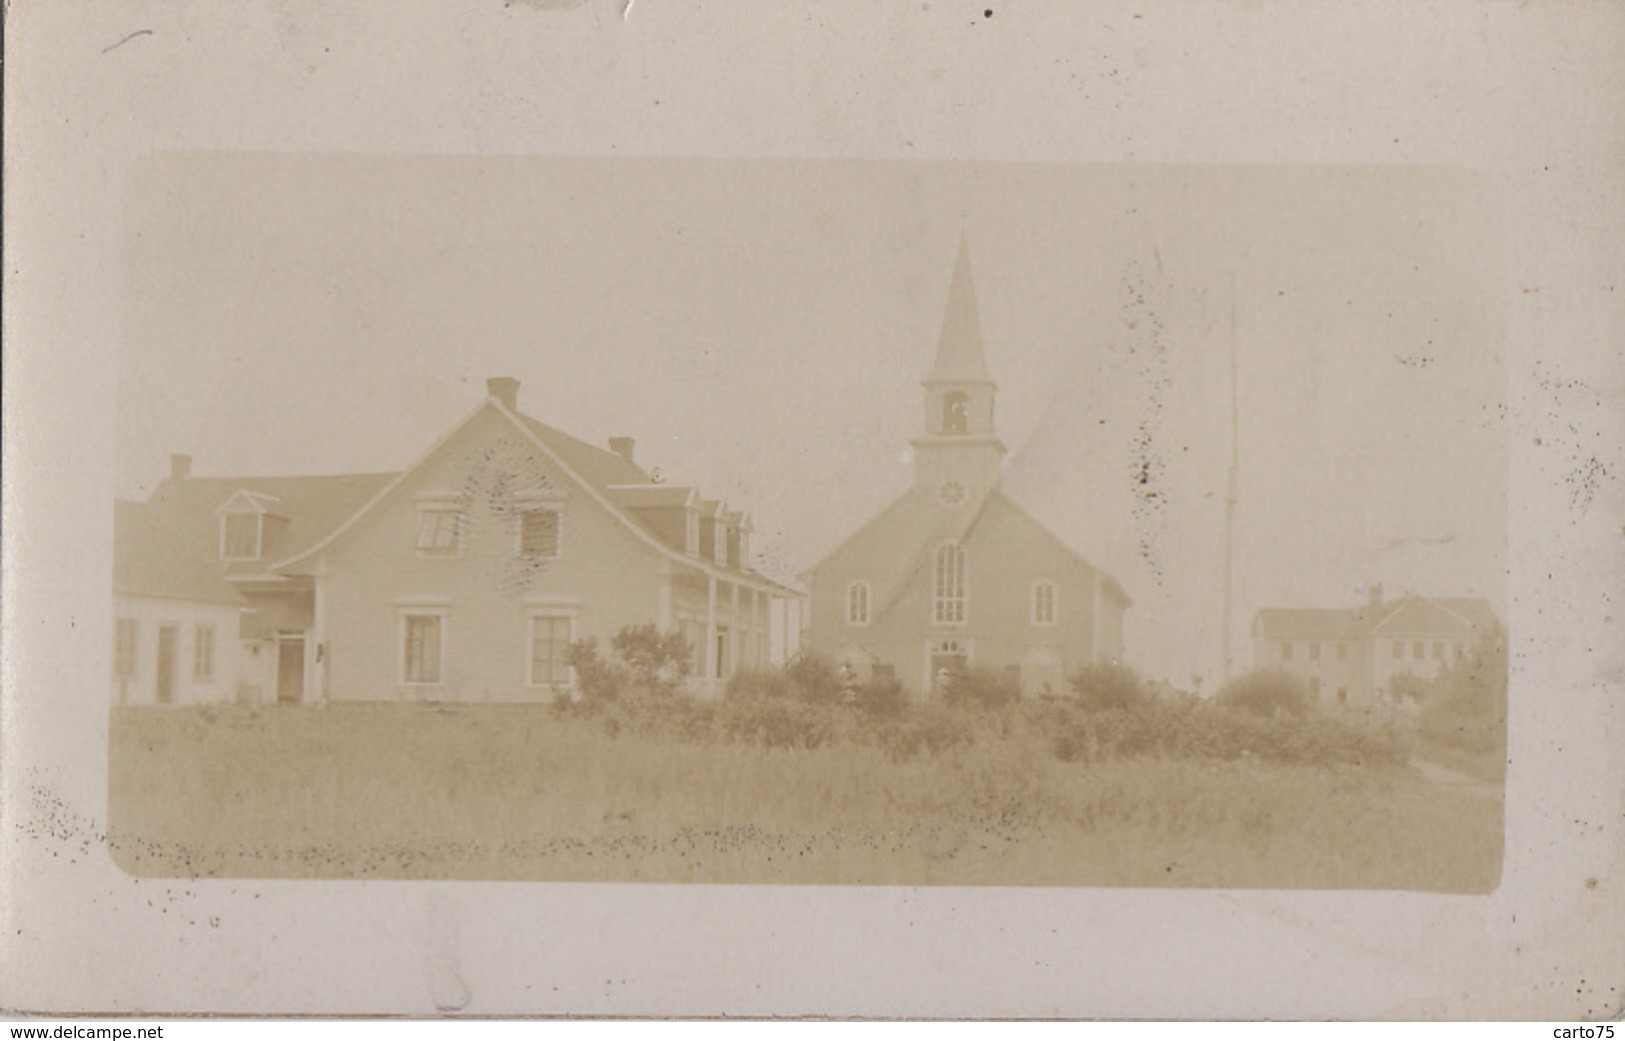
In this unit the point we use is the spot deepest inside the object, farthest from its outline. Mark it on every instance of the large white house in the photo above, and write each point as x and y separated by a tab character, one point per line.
464	577
1350	657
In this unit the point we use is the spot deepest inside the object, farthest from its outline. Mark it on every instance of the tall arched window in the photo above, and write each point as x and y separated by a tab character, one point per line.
857	603
955	412
948	586
1044	603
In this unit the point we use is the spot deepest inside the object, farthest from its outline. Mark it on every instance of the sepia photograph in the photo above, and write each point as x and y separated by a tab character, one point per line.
809	522
582	509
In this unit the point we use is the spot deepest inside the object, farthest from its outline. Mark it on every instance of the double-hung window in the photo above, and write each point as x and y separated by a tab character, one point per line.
439	529
1044	603
203	652
550	651
538	533
857	603
423	647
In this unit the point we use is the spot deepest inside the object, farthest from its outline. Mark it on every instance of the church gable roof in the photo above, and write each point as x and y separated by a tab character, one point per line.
897	544
999	500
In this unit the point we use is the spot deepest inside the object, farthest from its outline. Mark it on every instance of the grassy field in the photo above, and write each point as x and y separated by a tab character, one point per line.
514	793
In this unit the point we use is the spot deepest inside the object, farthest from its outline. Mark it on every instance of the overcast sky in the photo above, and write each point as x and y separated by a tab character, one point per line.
761	329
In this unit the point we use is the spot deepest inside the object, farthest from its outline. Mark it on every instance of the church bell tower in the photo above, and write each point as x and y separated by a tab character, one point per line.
958	458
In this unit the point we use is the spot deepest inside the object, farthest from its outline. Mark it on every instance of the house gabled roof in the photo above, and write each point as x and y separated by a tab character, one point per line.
1312	623
598	466
169	546
653	496
602	473
1417	614
153	558
1404	616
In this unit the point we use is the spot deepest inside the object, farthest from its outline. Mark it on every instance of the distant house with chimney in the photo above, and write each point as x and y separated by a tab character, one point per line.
464	577
1351	657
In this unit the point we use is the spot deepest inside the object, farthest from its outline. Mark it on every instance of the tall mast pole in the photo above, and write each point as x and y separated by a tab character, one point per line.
1230	487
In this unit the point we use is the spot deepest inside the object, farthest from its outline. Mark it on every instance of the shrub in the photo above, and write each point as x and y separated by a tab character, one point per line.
927	729
1196	730
1408	687
752	684
814	679
1465	706
981	688
1266	692
1063	726
882	698
599	681
656	662
777	722
1099	687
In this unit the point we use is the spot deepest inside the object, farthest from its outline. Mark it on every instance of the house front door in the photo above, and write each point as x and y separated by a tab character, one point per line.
164	689
290	670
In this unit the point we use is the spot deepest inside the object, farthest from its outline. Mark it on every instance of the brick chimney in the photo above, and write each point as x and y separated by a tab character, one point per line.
623	446
1374	595
180	466
505	389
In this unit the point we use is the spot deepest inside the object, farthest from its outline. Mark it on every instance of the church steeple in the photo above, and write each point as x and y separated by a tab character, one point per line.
958	453
959	349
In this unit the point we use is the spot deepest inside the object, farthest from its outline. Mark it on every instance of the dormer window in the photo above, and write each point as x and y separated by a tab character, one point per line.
692	534
719	543
955	412
744	550
242	524
240	536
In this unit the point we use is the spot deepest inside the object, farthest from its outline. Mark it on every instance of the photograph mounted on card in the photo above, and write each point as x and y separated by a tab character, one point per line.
820	522
600	509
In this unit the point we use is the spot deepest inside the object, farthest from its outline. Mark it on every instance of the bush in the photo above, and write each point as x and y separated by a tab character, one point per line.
656	662
1063	726
1266	692
981	688
777	722
599	681
755	684
882	698
1407	687
1195	730
1099	687
928	729
814	679
1465	706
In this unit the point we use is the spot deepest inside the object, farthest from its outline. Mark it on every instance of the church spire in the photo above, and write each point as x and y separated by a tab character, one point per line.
959	455
959	349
